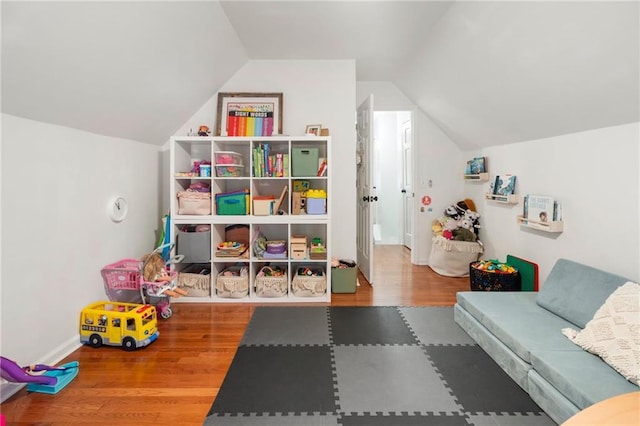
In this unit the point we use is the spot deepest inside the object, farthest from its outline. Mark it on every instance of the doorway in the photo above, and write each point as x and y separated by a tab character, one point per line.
392	178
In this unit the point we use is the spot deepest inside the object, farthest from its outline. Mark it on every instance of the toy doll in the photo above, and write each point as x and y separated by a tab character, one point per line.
154	271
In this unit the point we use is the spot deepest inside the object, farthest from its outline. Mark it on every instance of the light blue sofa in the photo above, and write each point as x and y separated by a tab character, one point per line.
521	332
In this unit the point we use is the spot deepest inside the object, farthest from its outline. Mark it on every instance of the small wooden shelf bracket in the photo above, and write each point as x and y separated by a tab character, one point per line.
480	177
504	199
555	227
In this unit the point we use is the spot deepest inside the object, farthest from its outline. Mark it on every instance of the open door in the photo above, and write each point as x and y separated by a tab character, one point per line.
365	192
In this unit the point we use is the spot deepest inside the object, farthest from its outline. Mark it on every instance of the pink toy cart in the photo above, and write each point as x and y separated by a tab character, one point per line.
124	282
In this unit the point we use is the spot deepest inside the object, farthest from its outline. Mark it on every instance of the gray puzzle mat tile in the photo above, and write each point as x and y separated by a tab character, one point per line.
435	326
477	382
274	420
369	326
288	326
278	379
389	379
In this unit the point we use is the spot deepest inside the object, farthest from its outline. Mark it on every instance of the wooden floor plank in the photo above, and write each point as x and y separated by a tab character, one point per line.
175	380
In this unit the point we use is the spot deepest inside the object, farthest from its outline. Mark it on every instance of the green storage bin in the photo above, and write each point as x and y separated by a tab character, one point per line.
232	203
304	162
344	280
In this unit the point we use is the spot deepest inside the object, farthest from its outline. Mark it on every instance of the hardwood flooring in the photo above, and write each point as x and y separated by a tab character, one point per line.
175	380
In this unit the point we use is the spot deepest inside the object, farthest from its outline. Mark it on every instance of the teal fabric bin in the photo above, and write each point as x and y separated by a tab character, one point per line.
232	203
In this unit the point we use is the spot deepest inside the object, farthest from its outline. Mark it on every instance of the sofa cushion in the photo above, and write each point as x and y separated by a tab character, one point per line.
580	376
614	332
575	292
517	321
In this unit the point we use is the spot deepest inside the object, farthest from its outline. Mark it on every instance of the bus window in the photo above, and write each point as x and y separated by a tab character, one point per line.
116	322
131	324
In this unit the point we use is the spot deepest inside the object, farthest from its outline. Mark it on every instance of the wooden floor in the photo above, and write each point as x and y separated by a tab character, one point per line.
175	380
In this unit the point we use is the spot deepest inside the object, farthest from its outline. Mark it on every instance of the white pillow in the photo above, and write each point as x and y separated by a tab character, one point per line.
614	332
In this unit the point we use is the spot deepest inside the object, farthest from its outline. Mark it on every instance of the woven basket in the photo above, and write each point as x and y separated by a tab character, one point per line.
234	287
197	285
267	286
309	286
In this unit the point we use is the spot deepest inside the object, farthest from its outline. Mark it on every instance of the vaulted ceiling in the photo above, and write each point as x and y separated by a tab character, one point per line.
486	72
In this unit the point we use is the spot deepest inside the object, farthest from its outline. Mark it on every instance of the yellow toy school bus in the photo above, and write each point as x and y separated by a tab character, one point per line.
129	325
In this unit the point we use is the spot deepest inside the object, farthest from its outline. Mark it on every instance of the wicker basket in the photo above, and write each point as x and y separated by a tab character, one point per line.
233	286
269	286
309	285
198	285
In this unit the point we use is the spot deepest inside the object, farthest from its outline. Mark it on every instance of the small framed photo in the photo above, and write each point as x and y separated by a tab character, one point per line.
313	129
249	114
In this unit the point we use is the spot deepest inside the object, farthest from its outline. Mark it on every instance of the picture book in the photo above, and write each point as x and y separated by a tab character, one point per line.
476	166
504	185
540	208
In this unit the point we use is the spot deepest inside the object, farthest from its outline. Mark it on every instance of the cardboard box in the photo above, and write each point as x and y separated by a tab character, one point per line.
264	205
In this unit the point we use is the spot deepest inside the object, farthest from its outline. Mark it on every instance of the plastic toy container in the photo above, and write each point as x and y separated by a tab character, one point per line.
229	170
316	201
232	203
304	161
228	157
481	280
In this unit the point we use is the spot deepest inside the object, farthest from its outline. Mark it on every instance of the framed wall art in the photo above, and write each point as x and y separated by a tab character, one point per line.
249	114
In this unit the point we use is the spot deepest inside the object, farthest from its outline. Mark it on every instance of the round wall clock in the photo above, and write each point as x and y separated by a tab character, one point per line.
118	209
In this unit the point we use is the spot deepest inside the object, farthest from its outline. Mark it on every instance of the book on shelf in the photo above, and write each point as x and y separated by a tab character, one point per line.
539	208
504	185
476	166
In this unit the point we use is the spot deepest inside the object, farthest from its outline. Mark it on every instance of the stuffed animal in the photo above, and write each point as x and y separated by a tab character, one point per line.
436	227
449	224
466	224
463	234
474	217
452	212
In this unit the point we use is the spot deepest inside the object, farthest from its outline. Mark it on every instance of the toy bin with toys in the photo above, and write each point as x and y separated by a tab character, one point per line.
493	275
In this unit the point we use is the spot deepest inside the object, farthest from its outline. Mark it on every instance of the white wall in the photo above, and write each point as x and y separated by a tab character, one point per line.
56	236
594	174
314	92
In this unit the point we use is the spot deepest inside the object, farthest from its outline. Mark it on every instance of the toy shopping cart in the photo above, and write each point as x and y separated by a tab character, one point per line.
143	281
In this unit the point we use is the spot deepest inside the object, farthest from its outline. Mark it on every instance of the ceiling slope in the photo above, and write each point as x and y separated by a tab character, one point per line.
135	70
493	73
379	35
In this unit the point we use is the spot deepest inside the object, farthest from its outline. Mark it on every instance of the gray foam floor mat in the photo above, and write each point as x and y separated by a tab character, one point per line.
366	366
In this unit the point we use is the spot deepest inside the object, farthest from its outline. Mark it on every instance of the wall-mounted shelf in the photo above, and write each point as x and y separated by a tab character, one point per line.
480	177
541	226
504	199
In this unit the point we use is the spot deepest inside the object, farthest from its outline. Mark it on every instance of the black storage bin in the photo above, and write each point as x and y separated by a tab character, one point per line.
493	281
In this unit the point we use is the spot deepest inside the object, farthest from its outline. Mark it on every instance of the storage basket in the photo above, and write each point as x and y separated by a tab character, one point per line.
493	281
122	281
194	203
270	286
309	285
197	284
451	258
233	286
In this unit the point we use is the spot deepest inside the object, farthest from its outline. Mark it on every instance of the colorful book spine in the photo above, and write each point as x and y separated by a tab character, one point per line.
257	130
267	129
250	126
